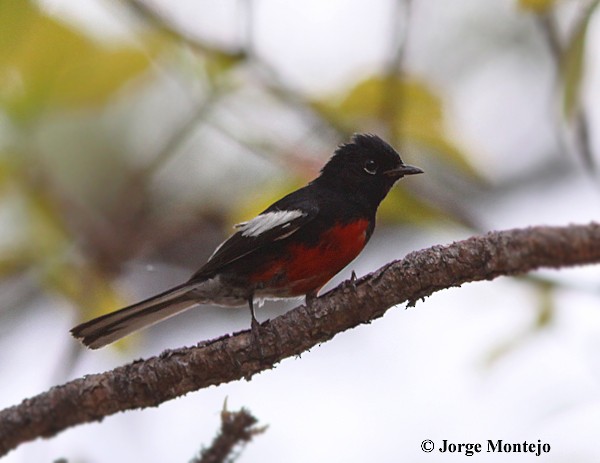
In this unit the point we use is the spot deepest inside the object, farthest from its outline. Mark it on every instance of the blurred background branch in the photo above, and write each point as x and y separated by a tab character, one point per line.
568	57
237	429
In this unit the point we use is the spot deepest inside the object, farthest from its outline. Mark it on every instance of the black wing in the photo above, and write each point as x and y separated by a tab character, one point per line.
280	220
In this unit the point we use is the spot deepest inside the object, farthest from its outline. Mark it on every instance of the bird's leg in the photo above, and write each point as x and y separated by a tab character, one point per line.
254	323
255	328
310	297
353	279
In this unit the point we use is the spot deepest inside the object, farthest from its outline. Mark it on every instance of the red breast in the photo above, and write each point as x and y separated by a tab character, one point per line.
306	269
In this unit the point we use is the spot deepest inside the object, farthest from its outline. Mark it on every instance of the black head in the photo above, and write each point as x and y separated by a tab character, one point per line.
365	168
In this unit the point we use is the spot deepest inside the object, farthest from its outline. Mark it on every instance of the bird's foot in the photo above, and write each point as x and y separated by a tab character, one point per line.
255	328
309	298
353	279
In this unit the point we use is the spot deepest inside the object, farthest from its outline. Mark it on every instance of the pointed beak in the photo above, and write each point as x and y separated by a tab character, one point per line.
403	170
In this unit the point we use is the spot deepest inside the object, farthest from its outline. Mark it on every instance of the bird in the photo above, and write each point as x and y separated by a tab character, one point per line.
291	249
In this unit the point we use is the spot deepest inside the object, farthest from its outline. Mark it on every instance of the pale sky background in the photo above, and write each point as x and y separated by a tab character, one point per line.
376	392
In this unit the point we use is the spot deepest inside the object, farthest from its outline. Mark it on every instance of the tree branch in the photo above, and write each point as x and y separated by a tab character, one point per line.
146	383
237	428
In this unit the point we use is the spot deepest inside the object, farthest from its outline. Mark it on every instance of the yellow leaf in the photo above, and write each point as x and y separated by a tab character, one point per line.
15	17
13	261
408	106
5	172
96	76
537	6
218	65
51	247
46	232
254	203
44	63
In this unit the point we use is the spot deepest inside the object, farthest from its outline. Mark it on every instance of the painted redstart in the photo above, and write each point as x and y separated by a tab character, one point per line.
291	249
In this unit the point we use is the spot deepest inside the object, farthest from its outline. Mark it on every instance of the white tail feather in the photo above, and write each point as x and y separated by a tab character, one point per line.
109	328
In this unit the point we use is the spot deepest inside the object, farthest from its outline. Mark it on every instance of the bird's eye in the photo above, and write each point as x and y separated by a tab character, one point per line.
370	167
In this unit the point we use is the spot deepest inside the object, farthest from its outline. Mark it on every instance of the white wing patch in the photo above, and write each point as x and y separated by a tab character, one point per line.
265	222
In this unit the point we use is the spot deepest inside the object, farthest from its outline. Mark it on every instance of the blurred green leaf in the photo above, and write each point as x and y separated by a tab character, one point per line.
96	77
14	18
218	65
51	250
546	309
47	235
13	261
415	113
573	62
537	6
44	63
87	289
254	203
41	240
5	172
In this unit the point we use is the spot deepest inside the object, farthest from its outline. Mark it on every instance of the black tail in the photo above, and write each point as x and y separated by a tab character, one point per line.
109	328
